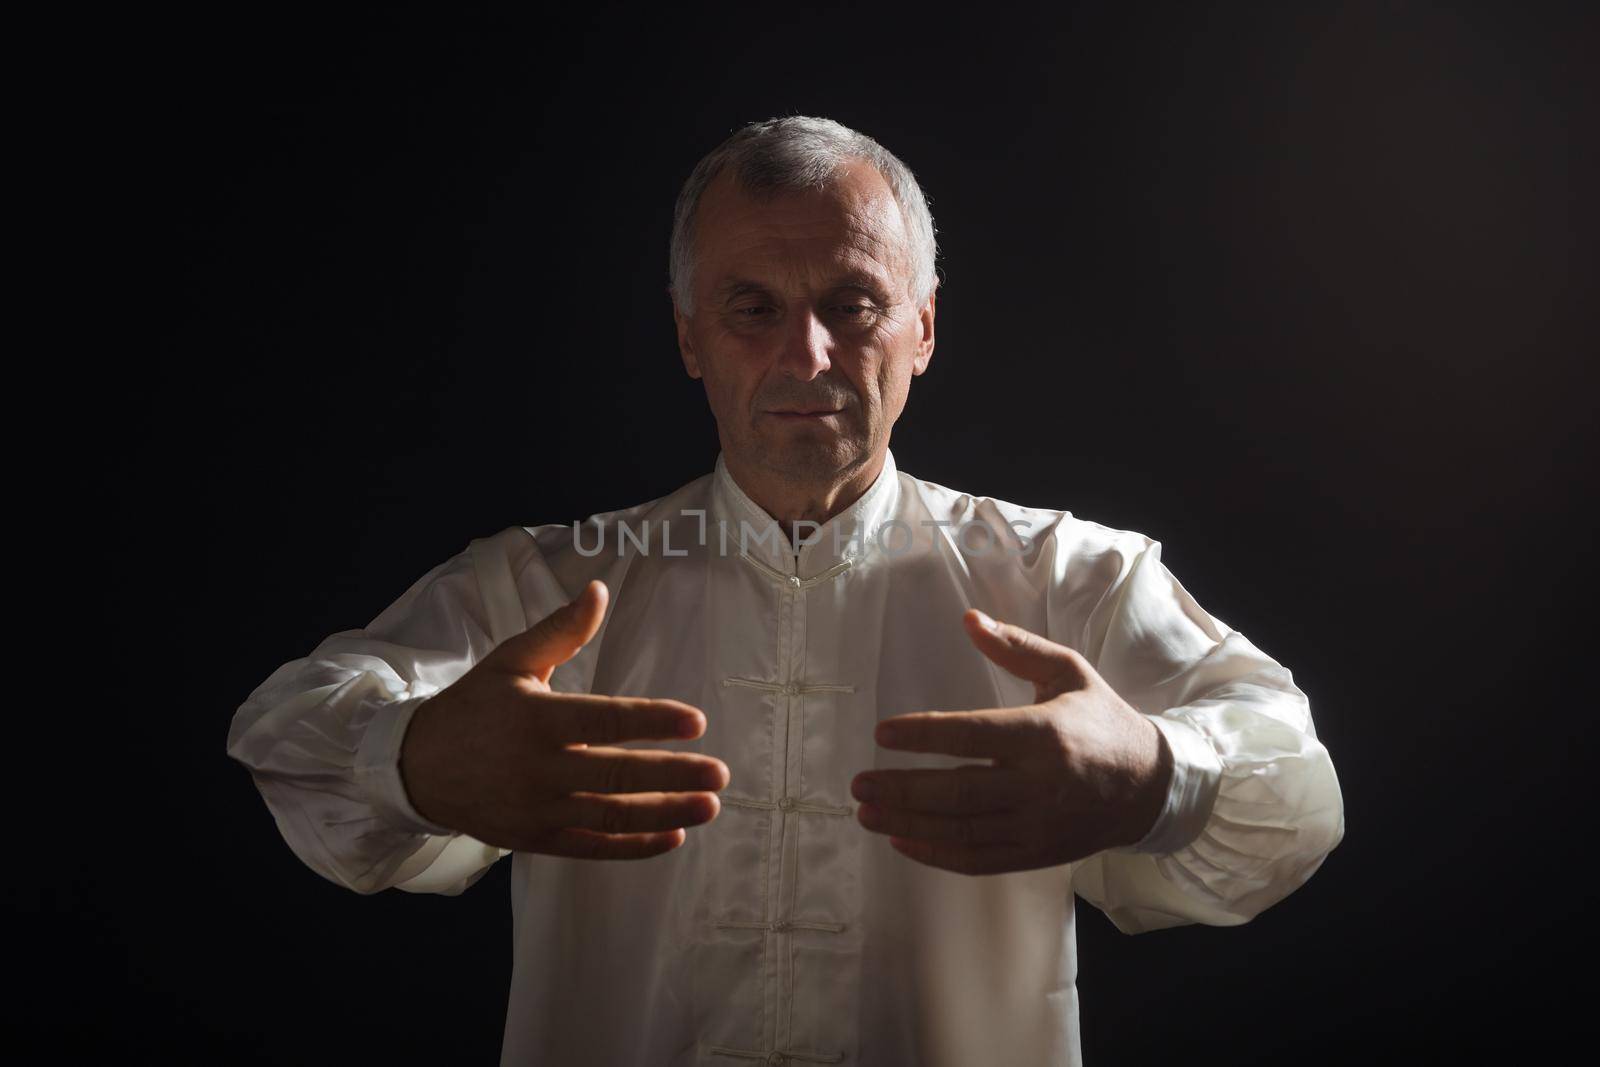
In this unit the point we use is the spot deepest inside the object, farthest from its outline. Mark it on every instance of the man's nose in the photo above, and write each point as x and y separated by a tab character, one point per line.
805	342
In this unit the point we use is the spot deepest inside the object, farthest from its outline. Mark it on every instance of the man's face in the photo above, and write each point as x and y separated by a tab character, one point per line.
803	329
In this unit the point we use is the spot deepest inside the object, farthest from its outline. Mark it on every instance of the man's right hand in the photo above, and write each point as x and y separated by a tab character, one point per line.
502	757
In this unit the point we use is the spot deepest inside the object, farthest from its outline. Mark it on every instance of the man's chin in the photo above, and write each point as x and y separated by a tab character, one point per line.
811	457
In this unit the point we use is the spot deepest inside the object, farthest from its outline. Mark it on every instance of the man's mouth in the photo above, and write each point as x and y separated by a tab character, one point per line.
815	414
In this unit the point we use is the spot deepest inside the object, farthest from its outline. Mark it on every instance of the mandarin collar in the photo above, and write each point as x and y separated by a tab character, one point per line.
835	546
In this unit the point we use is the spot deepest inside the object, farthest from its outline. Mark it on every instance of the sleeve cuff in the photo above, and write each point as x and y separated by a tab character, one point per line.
1196	775
377	768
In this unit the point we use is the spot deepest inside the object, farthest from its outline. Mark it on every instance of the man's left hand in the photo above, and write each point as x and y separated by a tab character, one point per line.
1078	771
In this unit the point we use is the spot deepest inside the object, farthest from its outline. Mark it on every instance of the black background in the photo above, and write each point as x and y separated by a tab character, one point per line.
1306	292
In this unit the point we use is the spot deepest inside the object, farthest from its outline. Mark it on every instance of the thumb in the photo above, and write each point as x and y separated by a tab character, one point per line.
1052	668
557	637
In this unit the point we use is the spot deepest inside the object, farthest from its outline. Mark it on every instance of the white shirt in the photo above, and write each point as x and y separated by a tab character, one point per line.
783	931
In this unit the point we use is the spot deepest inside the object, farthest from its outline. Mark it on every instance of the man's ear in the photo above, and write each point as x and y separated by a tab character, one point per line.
924	353
691	362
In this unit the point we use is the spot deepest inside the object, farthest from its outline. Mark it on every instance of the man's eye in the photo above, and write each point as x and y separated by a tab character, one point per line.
858	312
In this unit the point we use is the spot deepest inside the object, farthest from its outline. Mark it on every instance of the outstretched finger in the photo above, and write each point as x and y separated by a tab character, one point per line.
599	769
1002	828
634	813
970	789
557	637
1052	668
589	845
595	719
972	859
986	733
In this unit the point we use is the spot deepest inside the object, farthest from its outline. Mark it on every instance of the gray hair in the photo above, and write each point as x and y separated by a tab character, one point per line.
799	152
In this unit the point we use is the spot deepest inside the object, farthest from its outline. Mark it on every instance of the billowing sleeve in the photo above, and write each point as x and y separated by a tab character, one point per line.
1254	805
321	739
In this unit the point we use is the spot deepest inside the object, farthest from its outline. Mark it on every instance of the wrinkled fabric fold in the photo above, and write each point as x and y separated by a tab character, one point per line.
321	738
1277	809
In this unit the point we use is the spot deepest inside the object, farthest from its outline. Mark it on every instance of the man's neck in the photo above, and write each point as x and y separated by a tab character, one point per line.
790	503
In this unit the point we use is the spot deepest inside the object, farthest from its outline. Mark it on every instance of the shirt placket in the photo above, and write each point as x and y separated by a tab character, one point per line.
789	811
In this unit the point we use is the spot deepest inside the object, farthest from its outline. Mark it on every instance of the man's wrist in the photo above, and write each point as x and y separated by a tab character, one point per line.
1191	790
1150	799
378	767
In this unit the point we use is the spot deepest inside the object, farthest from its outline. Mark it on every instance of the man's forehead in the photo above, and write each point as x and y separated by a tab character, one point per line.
849	234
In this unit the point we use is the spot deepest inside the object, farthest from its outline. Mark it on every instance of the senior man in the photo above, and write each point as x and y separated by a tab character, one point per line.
1027	705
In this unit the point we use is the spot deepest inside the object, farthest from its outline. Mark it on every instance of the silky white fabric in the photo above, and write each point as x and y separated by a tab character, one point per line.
783	931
